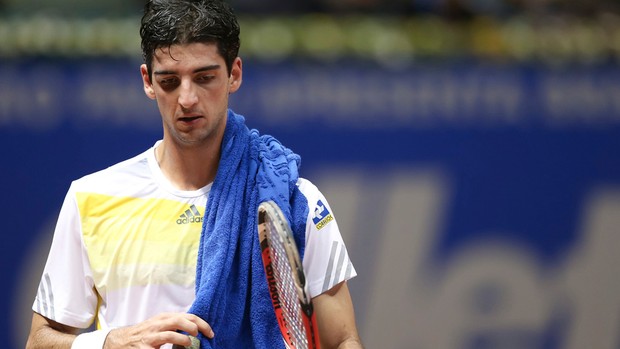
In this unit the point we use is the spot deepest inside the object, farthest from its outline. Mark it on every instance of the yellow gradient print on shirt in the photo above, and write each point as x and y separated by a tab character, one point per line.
139	241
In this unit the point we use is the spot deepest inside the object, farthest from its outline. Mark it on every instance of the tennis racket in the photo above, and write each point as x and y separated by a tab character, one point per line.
286	279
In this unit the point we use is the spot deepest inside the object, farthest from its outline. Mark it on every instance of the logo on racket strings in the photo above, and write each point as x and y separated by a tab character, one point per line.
273	290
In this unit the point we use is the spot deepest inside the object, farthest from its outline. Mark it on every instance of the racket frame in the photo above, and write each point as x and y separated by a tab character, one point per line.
270	213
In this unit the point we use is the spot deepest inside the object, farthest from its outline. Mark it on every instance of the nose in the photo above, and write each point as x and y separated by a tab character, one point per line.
187	95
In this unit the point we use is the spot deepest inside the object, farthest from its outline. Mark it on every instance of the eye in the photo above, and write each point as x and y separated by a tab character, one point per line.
169	83
205	78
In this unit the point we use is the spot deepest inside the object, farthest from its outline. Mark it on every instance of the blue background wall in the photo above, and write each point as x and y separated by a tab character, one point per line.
480	202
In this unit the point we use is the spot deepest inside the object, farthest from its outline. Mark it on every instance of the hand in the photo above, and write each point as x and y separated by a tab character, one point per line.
159	330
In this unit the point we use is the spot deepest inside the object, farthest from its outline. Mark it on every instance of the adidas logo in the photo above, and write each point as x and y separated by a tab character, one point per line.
191	215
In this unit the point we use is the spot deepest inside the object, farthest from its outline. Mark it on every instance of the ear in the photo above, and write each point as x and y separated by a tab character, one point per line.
236	75
148	86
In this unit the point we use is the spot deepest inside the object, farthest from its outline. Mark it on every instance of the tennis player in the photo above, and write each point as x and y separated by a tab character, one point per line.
132	240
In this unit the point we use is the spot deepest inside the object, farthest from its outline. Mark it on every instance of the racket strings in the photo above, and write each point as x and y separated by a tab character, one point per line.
287	291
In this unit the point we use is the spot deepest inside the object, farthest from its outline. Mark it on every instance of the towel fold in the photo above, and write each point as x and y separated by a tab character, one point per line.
231	287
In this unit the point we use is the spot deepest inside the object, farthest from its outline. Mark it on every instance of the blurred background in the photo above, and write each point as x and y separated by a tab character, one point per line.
469	149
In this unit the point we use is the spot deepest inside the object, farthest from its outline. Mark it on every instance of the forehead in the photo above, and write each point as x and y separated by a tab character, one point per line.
187	55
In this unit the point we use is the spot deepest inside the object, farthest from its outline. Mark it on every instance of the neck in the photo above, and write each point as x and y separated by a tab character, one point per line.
188	168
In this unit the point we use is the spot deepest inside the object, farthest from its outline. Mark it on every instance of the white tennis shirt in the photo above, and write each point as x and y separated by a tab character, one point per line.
126	243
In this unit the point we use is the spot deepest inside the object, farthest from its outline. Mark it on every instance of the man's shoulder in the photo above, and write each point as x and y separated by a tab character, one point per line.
133	168
310	191
306	186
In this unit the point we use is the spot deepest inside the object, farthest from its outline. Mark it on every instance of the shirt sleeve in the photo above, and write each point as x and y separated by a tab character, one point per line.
326	260
66	291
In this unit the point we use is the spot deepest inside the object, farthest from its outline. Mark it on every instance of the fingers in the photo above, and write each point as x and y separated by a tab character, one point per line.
159	330
193	324
204	328
168	337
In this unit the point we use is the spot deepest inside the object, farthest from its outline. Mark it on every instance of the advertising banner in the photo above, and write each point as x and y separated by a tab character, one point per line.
480	203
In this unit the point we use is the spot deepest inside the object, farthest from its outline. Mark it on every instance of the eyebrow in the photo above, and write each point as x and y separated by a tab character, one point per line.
198	70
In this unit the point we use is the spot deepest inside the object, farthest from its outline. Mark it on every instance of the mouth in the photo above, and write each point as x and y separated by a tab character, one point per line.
189	119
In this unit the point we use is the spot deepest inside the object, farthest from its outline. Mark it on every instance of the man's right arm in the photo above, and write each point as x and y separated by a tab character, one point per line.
46	333
152	333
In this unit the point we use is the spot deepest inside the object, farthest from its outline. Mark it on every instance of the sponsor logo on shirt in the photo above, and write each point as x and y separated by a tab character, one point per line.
322	216
191	215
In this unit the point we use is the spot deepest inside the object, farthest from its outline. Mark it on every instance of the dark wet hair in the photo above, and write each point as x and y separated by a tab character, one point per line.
169	22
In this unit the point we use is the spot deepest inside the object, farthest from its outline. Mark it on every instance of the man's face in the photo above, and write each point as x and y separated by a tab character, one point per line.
191	86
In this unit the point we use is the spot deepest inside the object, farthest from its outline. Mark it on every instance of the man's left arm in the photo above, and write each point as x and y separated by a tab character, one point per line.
336	319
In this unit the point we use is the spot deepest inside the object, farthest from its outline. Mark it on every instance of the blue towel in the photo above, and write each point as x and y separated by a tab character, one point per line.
231	287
